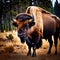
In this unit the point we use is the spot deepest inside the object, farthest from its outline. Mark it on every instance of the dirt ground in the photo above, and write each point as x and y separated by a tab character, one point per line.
20	50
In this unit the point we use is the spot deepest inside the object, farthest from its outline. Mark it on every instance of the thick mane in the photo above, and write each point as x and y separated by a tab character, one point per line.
37	17
39	14
43	11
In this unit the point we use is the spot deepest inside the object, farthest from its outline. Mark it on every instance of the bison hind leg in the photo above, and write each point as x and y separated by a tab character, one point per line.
34	51
56	42
51	43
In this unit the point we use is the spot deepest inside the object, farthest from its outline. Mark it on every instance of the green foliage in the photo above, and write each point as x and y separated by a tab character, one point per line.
13	27
57	9
6	25
23	5
46	4
14	13
10	36
18	6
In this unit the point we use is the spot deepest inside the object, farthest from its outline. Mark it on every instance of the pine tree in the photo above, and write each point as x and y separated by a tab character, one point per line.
46	4
33	2
1	17
57	8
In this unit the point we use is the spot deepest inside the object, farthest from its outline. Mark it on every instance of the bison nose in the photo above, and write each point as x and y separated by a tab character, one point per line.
15	24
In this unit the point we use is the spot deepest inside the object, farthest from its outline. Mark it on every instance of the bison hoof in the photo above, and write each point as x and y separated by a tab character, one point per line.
55	53
28	54
49	52
34	55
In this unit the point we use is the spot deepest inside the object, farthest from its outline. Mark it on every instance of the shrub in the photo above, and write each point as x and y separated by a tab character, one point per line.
10	36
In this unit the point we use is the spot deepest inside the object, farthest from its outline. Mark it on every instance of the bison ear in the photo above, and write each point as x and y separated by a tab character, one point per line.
23	17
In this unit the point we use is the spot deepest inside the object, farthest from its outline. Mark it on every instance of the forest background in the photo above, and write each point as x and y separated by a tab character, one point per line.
10	8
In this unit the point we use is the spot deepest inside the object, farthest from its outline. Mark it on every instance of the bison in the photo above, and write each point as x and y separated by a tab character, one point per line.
37	24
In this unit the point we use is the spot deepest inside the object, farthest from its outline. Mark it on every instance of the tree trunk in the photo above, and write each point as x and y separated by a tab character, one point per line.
2	25
10	25
10	17
1	16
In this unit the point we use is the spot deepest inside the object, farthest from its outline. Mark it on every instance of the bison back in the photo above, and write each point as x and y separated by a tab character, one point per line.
49	25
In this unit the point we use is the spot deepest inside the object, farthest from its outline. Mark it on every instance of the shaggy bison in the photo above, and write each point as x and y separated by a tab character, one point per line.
37	24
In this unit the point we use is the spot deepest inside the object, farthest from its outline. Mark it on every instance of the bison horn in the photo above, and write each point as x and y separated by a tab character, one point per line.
32	17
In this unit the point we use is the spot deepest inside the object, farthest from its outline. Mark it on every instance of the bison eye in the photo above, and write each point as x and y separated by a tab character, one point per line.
15	24
31	24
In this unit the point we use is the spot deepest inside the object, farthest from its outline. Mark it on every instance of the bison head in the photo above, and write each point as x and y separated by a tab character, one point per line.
23	23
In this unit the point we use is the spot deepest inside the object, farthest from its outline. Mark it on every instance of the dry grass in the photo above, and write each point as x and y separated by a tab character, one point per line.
9	49
19	50
13	44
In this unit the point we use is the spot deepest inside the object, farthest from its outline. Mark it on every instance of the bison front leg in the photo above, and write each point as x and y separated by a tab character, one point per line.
34	51
56	42
29	51
51	43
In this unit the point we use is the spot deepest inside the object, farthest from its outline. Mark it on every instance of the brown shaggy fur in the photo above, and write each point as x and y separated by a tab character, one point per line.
46	23
49	20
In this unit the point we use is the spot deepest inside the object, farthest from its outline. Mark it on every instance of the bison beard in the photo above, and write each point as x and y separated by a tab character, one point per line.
22	33
23	36
32	41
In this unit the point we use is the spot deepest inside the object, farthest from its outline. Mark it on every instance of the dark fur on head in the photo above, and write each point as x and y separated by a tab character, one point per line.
23	17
